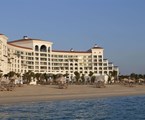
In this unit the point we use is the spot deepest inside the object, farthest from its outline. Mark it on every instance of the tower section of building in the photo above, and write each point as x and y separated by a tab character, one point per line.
3	54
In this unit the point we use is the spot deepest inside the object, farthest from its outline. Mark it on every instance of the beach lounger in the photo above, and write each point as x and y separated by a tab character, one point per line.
63	86
6	86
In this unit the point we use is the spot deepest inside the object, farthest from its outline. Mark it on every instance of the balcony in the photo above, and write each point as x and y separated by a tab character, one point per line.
110	64
105	60
105	64
43	64
43	59
5	55
24	64
110	68
43	55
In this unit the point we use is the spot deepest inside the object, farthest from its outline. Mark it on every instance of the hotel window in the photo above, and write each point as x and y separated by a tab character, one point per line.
100	60
100	64
90	68
65	56
29	53
60	56
95	68
36	67
36	48
105	68
43	48
95	64
105	72
100	68
105	64
86	68
95	71
95	56
110	72
100	72
95	60
66	60
43	55
100	56
66	68
36	58
81	68
36	54
54	55
110	68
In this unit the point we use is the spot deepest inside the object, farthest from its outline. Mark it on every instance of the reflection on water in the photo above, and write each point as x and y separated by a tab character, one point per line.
117	108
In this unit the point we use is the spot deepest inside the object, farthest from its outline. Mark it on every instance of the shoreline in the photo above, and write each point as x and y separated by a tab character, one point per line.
40	93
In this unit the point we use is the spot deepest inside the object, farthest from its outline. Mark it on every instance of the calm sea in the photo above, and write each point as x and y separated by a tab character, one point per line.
113	108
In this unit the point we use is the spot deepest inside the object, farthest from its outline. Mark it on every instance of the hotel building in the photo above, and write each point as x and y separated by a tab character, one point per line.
38	56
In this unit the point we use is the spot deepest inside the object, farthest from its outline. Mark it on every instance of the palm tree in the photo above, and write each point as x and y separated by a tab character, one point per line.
133	76
91	73
6	76
91	76
45	77
50	75
83	78
18	75
140	76
37	76
93	79
144	76
1	75
28	76
66	75
11	74
77	75
114	74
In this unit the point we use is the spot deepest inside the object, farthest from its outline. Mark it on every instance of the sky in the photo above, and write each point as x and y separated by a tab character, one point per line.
116	25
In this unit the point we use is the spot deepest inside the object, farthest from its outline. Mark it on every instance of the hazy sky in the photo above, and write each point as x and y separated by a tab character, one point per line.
116	25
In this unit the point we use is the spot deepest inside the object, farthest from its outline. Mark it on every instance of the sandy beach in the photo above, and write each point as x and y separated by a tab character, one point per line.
30	93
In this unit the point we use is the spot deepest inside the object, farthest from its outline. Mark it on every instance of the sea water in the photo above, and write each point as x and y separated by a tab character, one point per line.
112	108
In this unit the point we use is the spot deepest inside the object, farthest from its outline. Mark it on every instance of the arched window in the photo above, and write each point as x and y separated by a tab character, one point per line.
48	49
43	48
36	48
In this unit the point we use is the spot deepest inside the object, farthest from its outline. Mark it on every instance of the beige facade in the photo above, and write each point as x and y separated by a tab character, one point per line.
3	53
38	56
